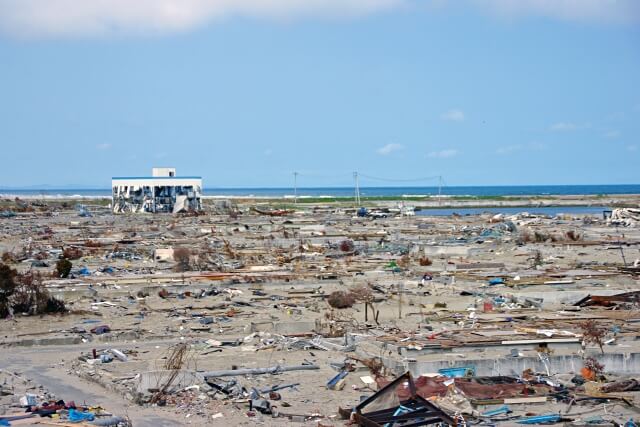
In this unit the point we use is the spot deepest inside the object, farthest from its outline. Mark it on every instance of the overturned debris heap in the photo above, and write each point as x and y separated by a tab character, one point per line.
387	407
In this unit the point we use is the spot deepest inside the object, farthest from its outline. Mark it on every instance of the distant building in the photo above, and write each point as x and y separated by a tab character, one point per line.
163	191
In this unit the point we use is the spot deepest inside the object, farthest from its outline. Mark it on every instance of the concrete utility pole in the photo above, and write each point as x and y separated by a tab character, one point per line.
400	289
295	187
357	184
624	261
440	190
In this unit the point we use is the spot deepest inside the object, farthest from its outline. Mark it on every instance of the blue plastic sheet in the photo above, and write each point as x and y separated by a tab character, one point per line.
498	411
77	416
541	419
459	372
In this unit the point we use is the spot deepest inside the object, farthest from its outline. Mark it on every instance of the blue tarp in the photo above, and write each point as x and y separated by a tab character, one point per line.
460	372
77	416
541	419
498	411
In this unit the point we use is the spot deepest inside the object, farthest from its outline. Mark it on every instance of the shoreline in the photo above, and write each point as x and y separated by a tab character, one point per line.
419	203
312	199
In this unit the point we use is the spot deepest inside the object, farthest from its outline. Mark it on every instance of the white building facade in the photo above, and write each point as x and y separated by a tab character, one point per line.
163	191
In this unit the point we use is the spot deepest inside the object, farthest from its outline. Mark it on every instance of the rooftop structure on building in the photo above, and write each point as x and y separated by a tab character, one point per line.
163	191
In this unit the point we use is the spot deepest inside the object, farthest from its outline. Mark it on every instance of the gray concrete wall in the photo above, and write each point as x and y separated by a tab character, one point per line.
625	363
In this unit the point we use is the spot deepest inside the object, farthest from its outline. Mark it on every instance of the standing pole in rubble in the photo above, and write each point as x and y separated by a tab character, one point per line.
357	184
624	261
295	187
400	289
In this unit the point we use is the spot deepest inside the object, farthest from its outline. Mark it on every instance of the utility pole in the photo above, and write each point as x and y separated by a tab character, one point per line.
355	178
400	290
440	190
624	261
295	187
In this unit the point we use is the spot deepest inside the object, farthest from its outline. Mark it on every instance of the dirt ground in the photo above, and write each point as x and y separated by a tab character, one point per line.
493	292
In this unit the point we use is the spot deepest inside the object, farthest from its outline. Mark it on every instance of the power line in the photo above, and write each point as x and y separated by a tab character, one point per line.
428	178
319	175
340	176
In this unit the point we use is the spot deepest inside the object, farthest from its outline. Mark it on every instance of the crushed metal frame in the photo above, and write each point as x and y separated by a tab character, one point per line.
422	411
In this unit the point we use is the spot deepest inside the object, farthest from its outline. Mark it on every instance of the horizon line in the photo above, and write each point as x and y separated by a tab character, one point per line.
70	187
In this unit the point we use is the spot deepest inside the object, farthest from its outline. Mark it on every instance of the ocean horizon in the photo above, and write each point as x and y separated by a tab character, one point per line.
400	191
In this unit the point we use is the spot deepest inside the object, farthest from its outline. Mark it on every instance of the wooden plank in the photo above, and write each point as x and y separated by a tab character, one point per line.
539	399
542	341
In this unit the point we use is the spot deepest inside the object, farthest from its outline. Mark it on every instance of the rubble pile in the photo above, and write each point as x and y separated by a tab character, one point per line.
24	402
320	314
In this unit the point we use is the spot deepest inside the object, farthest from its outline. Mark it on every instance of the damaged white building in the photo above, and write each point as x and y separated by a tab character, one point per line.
161	192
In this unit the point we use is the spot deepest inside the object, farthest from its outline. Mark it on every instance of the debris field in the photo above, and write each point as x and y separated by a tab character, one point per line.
312	314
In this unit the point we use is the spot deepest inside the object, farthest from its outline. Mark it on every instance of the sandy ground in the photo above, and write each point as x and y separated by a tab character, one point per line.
265	280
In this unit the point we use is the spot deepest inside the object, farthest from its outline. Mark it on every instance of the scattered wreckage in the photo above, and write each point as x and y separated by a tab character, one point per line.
252	315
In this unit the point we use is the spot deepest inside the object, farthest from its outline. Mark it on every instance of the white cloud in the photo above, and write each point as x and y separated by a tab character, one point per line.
611	134
453	115
443	154
563	126
389	148
104	146
71	18
81	18
615	116
597	11
568	126
534	146
509	149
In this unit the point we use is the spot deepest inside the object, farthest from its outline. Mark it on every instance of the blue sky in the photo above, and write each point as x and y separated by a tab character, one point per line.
245	92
